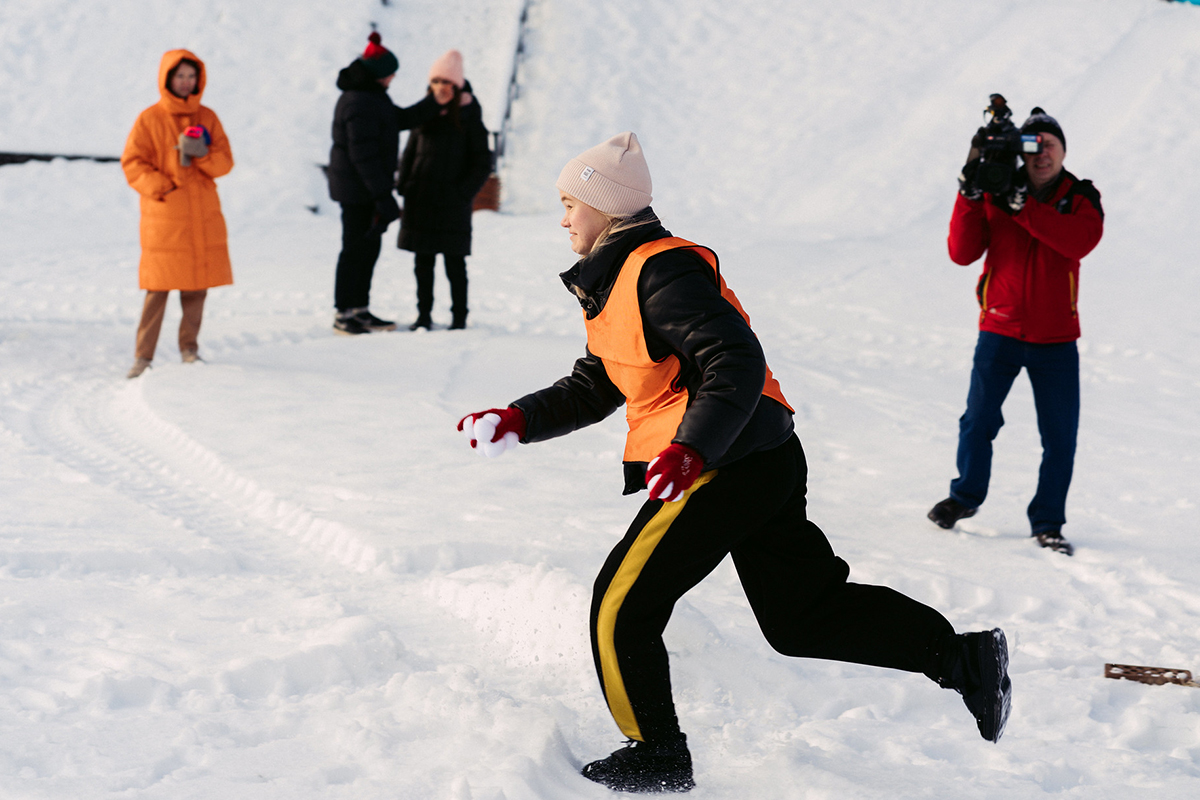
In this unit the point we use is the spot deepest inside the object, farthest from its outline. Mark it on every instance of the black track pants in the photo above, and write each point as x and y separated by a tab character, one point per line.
753	509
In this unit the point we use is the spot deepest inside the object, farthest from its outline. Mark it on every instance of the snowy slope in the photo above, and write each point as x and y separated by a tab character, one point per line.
282	575
74	75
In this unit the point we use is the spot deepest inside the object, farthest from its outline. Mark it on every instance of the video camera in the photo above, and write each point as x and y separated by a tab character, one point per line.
999	142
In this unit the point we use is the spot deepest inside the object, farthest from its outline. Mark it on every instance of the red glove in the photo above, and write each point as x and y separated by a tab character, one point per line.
672	472
498	429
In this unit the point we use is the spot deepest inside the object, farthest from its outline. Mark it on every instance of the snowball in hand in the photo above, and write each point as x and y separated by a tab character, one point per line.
667	495
483	430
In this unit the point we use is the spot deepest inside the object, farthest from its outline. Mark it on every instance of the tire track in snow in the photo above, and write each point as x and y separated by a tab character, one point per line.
393	678
322	666
115	439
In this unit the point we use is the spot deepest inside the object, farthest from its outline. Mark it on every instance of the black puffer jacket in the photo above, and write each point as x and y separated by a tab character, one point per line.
366	136
445	163
683	313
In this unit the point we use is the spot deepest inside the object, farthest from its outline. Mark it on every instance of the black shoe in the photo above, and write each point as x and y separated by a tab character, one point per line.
422	322
374	323
644	768
349	326
948	512
980	675
459	323
1055	541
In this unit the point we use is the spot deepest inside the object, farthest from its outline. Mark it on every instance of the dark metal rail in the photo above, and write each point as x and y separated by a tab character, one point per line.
21	158
514	88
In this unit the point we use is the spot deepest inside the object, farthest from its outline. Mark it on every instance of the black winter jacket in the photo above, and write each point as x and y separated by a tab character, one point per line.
443	167
683	313
366	136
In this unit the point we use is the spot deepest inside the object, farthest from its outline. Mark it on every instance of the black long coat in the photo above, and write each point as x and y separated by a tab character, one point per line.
443	167
366	136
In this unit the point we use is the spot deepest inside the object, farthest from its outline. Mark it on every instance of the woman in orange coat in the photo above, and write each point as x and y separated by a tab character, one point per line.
175	150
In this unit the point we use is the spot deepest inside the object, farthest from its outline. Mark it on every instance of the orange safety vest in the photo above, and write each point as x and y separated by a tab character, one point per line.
655	401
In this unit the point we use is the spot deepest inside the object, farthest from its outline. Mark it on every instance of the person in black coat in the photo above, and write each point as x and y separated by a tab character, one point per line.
362	163
445	163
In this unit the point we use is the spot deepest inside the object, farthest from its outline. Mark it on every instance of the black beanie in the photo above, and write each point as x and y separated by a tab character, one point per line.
1041	122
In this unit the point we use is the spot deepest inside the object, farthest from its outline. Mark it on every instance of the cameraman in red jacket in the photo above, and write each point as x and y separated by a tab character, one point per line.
1034	235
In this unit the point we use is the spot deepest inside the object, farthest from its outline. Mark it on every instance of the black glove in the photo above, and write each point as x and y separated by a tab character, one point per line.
979	139
1014	199
386	212
967	185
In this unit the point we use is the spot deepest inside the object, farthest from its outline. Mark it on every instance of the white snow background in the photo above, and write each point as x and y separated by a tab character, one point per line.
282	574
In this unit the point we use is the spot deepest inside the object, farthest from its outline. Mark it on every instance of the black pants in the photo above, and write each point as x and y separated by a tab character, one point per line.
456	273
356	263
753	509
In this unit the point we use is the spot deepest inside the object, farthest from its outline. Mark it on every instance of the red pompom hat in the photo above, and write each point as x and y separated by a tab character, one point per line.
380	61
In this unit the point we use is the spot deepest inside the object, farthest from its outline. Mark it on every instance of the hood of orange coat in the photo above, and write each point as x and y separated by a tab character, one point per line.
180	105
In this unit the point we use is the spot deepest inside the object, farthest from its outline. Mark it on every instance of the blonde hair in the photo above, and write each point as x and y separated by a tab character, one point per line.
618	225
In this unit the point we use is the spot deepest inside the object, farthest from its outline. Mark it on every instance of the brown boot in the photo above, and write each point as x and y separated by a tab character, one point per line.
139	366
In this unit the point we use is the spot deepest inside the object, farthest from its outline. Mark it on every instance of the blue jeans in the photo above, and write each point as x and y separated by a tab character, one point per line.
1054	373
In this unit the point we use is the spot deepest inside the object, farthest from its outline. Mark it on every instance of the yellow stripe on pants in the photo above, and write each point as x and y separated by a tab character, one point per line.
624	579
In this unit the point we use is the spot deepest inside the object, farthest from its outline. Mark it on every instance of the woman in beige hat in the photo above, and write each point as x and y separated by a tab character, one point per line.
711	437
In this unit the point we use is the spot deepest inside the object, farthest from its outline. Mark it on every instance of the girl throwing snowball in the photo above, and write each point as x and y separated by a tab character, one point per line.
711	437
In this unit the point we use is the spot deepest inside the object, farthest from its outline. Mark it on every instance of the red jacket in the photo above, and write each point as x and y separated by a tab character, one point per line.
1030	282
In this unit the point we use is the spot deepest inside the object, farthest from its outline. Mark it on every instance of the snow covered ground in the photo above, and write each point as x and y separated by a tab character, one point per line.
281	574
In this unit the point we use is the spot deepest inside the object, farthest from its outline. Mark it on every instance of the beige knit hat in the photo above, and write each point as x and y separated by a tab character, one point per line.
448	66
611	177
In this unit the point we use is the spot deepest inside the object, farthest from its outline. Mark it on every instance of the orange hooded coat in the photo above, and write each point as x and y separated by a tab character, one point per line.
183	231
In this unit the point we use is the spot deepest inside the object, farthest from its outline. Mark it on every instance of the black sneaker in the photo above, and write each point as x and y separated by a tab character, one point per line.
374	323
948	512
422	322
349	326
645	768
1054	540
980	675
